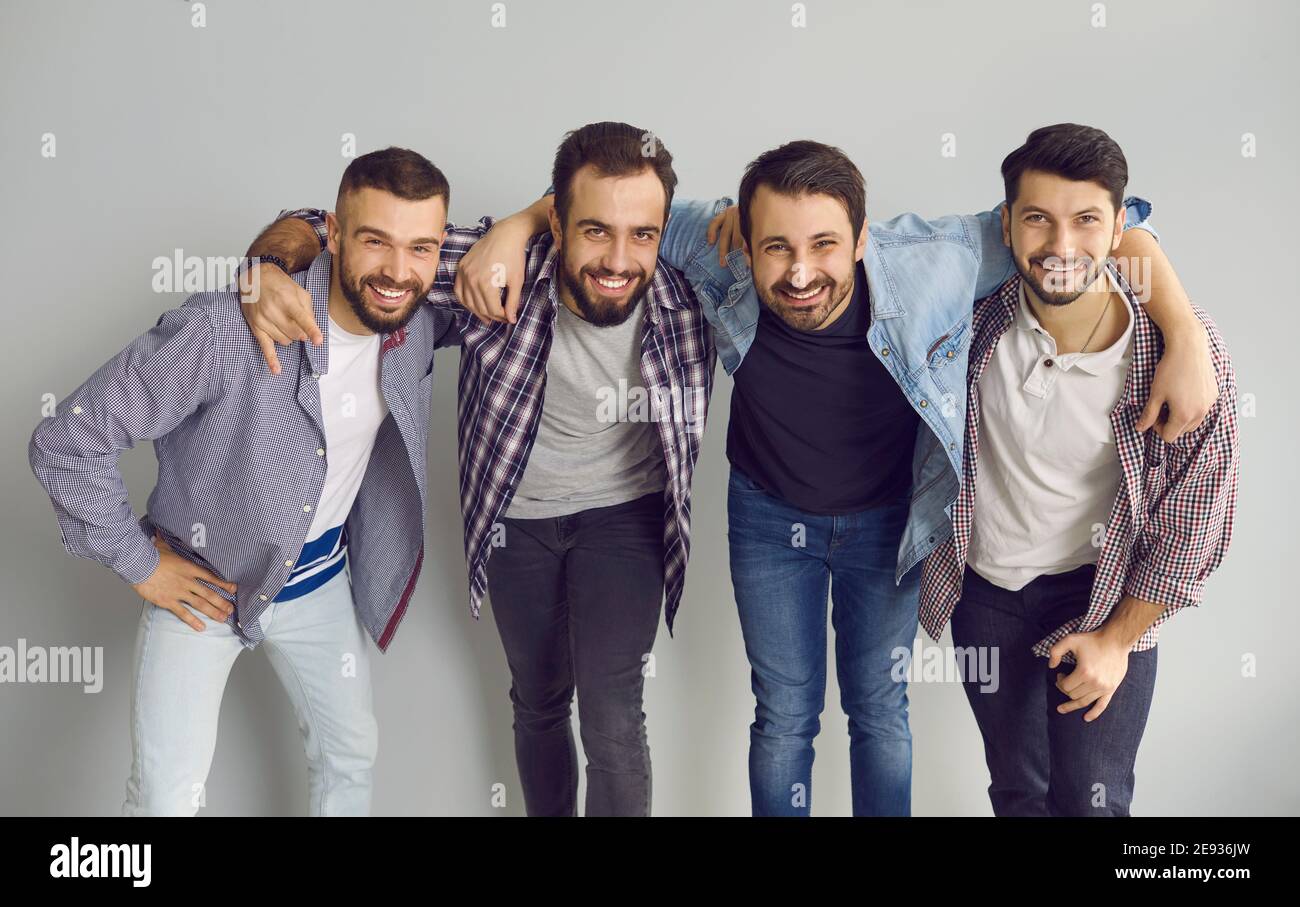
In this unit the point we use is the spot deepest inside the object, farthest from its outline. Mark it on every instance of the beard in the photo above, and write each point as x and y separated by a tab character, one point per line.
1057	294
602	313
804	318
378	320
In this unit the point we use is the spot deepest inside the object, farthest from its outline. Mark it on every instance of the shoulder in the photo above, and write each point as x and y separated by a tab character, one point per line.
673	289
909	229
1001	300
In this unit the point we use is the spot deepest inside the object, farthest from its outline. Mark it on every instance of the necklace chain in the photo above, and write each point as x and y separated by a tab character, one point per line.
1104	310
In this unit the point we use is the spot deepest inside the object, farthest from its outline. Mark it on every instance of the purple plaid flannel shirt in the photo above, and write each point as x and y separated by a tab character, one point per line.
503	379
242	456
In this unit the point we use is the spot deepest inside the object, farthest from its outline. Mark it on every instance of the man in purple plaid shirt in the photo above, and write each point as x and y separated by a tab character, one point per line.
1074	536
289	509
579	427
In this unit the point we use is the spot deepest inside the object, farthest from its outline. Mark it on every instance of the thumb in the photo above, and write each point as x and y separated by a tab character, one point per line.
1058	651
512	301
1150	413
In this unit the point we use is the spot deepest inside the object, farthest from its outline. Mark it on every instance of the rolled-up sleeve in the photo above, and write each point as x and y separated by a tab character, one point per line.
142	393
313	216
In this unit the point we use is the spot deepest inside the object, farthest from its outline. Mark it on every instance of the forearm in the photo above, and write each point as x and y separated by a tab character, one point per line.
1130	619
537	216
1153	279
534	219
291	239
140	394
89	496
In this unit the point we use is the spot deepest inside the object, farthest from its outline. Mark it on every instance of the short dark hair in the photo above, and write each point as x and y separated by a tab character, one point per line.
1071	151
400	171
806	168
614	149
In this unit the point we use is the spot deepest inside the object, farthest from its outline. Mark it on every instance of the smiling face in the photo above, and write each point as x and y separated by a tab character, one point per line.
609	244
385	252
803	256
1061	233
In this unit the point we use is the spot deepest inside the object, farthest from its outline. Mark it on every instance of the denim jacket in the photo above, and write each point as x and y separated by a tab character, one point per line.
923	278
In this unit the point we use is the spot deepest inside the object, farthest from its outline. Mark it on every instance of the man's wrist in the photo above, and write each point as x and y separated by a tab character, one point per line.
1114	635
251	262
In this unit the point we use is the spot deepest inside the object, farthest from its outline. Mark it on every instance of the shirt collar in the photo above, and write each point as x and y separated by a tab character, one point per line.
1097	362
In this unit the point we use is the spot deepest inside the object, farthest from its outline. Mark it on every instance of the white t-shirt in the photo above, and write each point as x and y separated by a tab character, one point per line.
1048	471
352	408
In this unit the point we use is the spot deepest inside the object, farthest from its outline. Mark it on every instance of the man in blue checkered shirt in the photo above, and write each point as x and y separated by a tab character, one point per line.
289	508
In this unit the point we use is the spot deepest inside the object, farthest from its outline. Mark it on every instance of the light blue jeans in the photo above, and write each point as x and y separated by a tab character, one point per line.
319	650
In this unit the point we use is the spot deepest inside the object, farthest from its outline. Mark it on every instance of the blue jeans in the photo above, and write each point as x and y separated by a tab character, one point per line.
783	564
1043	763
318	649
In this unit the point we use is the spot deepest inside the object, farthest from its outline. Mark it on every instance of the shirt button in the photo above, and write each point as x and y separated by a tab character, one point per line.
262	597
320	451
952	446
306	508
951	354
884	351
288	563
924	404
76	410
1047	362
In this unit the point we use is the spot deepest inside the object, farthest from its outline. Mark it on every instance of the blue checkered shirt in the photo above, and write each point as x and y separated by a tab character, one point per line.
242	456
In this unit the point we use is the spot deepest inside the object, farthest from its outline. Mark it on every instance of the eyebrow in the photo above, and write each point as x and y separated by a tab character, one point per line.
1037	210
825	234
592	222
421	241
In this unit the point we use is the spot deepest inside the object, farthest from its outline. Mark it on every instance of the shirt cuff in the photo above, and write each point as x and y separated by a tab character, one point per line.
1151	585
139	562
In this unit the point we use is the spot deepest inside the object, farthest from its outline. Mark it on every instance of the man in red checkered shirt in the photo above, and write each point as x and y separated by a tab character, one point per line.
1074	536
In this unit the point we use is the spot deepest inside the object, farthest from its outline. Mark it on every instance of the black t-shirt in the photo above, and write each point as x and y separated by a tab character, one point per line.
816	420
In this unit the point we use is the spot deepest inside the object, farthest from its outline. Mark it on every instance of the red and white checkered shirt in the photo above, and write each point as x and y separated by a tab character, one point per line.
1172	518
503	380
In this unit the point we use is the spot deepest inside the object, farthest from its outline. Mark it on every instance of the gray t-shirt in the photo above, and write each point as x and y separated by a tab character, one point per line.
595	445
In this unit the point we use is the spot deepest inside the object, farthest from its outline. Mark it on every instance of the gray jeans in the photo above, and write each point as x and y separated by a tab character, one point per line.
576	600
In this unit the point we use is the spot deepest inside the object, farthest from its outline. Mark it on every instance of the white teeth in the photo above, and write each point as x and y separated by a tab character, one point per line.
389	294
611	284
808	295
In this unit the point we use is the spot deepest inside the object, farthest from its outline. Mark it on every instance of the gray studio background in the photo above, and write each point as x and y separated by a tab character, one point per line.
171	136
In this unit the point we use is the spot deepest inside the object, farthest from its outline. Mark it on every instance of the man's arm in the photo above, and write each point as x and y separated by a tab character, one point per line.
1185	380
1184	540
141	394
1187	533
497	261
277	309
297	237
